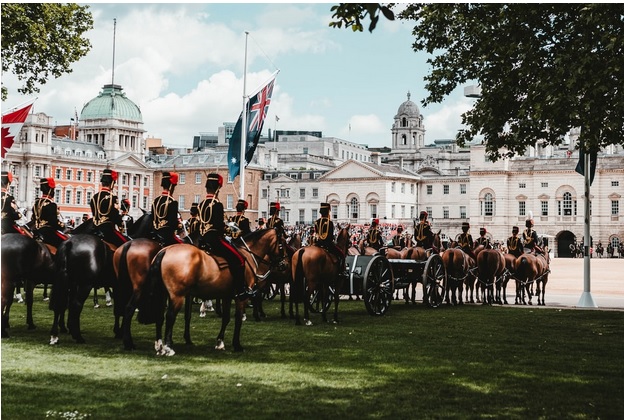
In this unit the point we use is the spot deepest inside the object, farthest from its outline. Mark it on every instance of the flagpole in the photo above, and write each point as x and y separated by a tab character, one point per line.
243	127
586	300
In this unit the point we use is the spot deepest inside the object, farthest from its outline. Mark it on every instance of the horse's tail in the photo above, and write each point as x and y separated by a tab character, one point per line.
151	305
59	293
522	268
122	291
298	286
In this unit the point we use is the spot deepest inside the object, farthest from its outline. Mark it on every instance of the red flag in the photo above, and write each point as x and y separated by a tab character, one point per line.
11	125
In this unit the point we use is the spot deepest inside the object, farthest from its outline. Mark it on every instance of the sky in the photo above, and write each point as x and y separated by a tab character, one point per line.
184	66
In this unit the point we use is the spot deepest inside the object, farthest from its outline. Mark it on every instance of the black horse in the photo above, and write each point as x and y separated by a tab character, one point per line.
26	263
83	262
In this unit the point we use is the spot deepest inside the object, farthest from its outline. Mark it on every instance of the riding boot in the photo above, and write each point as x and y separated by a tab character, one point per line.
243	292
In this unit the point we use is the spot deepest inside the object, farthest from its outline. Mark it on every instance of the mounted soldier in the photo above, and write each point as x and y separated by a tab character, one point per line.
213	229
192	224
127	220
10	214
104	207
46	214
530	239
274	221
325	236
422	231
240	219
483	240
513	243
398	241
373	237
465	241
165	212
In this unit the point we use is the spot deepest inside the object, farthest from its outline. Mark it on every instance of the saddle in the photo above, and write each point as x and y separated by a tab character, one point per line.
221	261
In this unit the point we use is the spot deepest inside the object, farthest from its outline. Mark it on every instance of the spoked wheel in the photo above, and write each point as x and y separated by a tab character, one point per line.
269	292
434	281
378	286
316	300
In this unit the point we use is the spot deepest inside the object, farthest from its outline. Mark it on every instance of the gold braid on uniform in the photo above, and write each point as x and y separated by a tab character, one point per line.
103	216
513	244
205	227
161	213
323	229
38	209
420	236
373	235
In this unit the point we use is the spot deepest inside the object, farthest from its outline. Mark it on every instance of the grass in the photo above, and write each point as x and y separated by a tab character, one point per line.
452	362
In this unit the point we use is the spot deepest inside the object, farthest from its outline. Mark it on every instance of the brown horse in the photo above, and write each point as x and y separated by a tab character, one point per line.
419	254
315	269
491	267
510	271
457	264
183	270
26	263
530	269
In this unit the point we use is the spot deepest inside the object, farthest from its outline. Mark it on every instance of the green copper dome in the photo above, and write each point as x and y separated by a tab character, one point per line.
111	103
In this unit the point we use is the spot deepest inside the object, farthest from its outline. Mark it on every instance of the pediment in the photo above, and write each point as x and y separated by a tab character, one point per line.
283	178
128	161
352	169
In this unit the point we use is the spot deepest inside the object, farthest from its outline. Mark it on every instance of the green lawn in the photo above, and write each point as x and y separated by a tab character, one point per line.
453	362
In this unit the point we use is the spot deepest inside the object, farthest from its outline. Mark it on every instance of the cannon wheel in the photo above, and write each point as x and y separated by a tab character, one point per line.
315	300
434	281
378	285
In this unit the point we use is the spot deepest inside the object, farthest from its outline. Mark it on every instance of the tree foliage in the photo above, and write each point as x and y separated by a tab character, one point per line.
353	14
543	69
41	40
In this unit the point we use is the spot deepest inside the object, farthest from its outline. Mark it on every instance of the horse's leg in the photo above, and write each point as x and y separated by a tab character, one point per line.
226	305
306	307
282	291
336	302
109	299
29	289
75	309
238	323
127	321
257	306
7	301
188	310
165	349
95	298
45	292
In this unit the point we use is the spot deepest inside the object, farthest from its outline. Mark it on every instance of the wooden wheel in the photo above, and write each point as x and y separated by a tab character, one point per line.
316	300
434	281
378	286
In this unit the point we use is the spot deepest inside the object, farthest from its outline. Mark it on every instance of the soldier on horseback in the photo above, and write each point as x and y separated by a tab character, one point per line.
465	241
9	207
192	224
45	215
274	221
373	237
398	241
104	207
483	240
240	219
513	243
127	220
530	239
213	229
165	212
324	236
422	231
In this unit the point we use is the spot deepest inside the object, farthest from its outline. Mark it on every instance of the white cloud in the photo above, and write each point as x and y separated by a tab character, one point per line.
446	121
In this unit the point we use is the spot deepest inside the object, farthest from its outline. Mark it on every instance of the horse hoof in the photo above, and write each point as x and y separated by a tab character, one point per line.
220	345
308	322
96	306
244	317
202	314
109	303
54	340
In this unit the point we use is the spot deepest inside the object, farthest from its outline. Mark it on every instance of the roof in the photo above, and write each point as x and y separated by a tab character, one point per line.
111	102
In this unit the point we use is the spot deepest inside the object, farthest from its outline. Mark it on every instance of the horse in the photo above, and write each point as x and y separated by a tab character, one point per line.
419	253
510	272
25	262
205	276
491	267
531	268
457	264
82	262
316	269
279	279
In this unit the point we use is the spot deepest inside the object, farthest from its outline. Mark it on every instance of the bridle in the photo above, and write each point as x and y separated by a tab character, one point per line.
277	262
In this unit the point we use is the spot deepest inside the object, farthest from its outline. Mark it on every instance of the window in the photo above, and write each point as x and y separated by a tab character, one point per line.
78	197
403	188
198	179
412	212
567	204
78	175
393	187
182	179
305	150
89	176
445	212
181	202
403	212
446	189
68	174
315	213
197	199
230	201
57	173
429	189
68	197
89	195
544	208
462	188
301	192
373	210
412	188
124	179
487	205
462	212
354	208
265	193
615	207
429	211
615	183
314	193
293	176
521	208
301	215
544	184
522	185
393	211
38	172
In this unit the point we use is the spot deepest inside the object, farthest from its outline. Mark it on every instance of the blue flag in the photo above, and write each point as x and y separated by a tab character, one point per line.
580	166
257	109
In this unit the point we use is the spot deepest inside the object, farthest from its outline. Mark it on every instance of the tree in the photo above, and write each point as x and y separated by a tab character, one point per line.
543	69
42	40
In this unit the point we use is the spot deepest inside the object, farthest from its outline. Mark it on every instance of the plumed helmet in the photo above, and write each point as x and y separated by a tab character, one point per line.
274	207
529	223
325	207
423	215
375	222
108	176
194	209
125	204
169	179
465	226
515	229
7	178
241	205
47	184
399	228
214	182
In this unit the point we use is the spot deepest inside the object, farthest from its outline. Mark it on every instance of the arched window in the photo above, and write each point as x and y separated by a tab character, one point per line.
567	204
404	122
487	205
354	208
404	139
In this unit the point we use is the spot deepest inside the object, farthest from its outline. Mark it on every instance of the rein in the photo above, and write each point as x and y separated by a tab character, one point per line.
258	259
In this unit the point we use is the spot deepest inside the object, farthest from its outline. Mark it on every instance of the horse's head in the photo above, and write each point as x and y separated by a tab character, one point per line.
437	242
343	239
142	227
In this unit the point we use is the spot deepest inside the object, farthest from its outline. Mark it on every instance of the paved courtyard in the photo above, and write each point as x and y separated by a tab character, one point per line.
566	282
